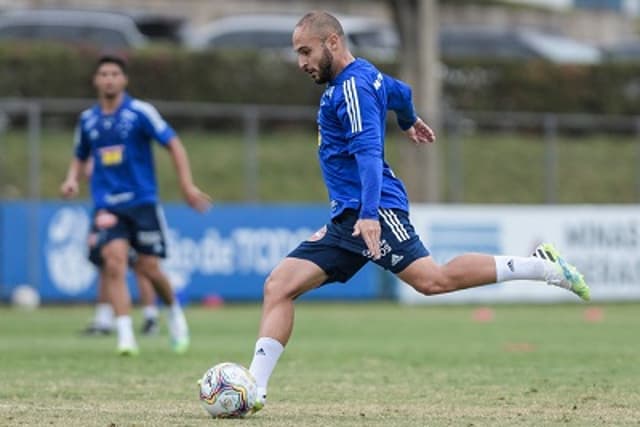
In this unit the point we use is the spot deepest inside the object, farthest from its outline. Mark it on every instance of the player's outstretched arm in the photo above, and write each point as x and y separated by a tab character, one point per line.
69	187
195	198
421	133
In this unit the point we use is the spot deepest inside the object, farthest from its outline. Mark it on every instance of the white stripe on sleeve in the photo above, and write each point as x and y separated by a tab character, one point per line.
150	112
353	105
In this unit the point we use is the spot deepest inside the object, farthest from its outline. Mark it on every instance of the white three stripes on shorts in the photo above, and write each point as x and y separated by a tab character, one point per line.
391	219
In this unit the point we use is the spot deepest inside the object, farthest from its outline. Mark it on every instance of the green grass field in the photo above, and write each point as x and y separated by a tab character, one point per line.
373	364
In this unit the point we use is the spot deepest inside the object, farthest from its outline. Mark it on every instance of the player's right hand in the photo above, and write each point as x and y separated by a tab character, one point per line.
369	230
69	188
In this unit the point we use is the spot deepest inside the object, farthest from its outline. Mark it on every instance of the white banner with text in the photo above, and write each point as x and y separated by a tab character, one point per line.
603	241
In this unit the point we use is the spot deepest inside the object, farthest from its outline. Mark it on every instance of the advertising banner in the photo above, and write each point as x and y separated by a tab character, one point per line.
602	241
226	253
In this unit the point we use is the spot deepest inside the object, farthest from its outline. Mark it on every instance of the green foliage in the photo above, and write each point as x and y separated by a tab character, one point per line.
542	87
346	365
51	70
160	72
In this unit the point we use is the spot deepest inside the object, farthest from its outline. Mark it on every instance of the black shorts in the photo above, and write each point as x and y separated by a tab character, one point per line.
340	255
142	226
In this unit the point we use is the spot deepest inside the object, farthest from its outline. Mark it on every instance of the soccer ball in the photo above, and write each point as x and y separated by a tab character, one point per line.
25	297
228	390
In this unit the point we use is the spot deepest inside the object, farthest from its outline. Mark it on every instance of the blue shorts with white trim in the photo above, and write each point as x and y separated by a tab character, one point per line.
143	226
341	255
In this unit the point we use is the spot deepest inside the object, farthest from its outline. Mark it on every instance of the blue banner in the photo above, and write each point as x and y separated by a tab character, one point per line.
226	253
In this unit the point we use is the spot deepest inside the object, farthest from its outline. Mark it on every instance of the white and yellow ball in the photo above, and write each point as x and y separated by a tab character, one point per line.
228	390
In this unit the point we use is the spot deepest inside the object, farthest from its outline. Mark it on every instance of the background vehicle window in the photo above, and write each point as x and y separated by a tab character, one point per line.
104	37
17	32
252	40
58	33
472	45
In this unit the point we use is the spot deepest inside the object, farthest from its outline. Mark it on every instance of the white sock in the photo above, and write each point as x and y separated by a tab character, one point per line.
177	322
104	316
267	353
125	332
519	268
150	312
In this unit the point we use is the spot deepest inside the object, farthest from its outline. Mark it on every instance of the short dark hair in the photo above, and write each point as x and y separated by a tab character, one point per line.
322	23
112	59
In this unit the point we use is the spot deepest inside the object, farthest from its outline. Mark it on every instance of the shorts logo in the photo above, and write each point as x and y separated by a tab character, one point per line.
395	259
318	234
385	249
149	238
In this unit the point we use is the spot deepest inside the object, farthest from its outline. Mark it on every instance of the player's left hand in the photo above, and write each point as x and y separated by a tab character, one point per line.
369	230
421	133
197	199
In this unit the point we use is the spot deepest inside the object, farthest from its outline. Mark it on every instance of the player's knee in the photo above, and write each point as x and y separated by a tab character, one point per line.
433	285
113	262
147	266
275	288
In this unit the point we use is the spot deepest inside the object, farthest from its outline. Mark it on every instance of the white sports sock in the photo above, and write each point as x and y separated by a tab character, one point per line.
125	332
177	322
267	353
520	268
150	312
104	316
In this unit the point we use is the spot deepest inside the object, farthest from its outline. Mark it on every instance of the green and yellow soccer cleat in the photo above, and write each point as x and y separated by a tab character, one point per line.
569	277
128	350
180	345
257	406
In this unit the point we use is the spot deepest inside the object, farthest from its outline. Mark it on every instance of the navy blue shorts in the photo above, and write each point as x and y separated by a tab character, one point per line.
142	226
340	255
95	255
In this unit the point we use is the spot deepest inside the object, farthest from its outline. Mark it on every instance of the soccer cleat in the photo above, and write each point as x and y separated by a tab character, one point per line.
126	350
258	405
180	345
94	330
150	326
568	276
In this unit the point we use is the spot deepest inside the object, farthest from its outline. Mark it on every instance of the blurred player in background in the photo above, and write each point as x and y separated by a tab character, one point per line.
117	133
369	205
103	321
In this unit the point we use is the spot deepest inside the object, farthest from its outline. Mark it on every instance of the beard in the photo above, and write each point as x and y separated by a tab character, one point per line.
324	67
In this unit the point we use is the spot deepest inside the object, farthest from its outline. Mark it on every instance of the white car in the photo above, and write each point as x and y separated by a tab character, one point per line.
102	29
366	36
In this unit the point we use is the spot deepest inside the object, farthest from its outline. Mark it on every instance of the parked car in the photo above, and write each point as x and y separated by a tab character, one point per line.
366	36
378	40
102	29
520	44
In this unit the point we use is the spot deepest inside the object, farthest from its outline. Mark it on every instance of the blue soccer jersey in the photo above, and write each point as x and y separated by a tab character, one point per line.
120	144
351	125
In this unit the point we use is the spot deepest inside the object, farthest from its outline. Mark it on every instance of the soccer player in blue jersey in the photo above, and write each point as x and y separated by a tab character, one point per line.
369	206
117	133
103	321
